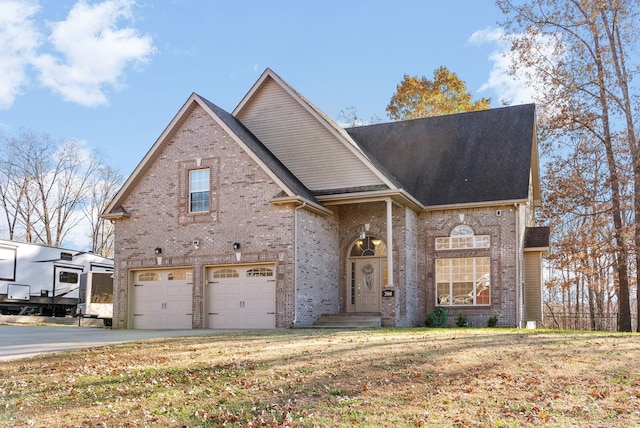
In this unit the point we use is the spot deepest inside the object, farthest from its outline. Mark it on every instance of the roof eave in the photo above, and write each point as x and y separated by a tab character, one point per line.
481	204
302	202
399	196
115	216
543	250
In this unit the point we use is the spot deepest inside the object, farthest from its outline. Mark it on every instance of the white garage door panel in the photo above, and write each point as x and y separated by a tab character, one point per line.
163	303
242	297
147	321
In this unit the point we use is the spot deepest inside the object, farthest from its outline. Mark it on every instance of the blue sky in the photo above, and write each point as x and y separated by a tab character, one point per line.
113	73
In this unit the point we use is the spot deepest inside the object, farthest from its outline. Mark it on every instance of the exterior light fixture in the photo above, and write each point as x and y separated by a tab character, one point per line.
158	252
236	247
196	244
363	232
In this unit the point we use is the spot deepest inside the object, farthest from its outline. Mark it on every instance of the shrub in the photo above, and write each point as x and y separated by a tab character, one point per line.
492	321
462	320
430	320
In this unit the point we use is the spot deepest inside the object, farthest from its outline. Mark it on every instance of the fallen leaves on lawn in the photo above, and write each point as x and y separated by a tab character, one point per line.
393	377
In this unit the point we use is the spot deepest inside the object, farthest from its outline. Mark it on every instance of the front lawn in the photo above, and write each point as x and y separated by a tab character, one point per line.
325	378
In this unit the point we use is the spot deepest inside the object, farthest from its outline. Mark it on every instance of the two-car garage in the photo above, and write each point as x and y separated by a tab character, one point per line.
235	297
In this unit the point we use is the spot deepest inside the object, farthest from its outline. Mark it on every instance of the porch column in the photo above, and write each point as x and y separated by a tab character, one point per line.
389	243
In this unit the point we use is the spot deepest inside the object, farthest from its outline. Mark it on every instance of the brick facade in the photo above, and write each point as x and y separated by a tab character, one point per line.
240	213
499	222
309	249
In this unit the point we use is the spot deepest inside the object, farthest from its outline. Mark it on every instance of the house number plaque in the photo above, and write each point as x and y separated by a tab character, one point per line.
388	293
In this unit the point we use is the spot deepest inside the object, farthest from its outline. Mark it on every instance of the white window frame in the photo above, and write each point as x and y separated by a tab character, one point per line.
199	186
479	280
462	238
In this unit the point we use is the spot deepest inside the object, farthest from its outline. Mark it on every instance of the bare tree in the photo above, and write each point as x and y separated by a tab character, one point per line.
47	186
12	192
103	186
576	51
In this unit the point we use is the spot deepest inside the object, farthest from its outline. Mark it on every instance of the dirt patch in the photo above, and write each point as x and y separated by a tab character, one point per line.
322	378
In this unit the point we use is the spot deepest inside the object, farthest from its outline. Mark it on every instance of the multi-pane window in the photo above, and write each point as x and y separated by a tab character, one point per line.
148	276
226	273
259	272
462	237
199	190
463	281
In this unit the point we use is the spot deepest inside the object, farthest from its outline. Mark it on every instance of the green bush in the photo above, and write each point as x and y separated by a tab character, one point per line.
492	321
462	320
430	320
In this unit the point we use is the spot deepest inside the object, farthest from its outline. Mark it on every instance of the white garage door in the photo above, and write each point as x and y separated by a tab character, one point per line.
162	299
242	297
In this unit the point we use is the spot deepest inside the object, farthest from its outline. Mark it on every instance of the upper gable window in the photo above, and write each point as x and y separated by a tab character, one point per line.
199	190
462	237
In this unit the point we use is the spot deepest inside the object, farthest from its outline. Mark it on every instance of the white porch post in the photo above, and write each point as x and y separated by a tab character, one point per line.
389	243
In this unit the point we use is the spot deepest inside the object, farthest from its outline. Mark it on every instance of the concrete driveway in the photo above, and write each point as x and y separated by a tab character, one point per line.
18	341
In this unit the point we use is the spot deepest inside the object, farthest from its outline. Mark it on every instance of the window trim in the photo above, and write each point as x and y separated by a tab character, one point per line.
477	279
460	235
191	192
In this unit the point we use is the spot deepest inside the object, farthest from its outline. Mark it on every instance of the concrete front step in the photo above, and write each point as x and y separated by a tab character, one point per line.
348	321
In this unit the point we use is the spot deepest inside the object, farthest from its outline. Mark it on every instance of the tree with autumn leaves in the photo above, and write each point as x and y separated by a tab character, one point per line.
417	97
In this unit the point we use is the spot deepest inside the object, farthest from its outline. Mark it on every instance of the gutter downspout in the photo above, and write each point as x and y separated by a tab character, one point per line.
389	243
295	263
518	291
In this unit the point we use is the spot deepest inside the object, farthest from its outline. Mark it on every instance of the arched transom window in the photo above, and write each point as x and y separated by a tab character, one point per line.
368	247
462	237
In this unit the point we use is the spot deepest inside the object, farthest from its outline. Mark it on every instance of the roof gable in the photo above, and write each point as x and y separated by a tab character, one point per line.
462	158
289	184
319	152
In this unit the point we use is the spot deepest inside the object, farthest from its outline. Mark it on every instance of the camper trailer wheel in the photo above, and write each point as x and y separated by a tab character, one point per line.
108	322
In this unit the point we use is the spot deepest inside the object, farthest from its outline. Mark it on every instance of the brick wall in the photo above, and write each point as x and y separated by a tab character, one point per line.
317	283
503	254
240	212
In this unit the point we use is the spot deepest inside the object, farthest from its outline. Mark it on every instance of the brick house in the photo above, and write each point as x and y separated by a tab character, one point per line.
273	216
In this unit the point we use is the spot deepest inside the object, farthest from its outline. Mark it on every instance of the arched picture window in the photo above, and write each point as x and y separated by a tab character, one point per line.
370	246
462	237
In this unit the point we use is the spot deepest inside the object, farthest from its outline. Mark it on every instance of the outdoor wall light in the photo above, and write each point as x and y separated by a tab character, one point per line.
236	247
365	229
158	251
196	244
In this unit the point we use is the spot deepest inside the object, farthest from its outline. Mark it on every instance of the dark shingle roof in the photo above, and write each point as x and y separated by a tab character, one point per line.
273	163
460	158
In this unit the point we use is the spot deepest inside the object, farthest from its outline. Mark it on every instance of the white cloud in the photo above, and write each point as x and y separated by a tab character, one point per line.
87	53
510	89
19	40
94	51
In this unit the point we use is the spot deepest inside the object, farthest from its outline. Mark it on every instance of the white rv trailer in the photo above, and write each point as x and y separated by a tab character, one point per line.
95	299
43	279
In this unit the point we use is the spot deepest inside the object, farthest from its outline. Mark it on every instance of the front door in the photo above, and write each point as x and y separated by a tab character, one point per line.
367	277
